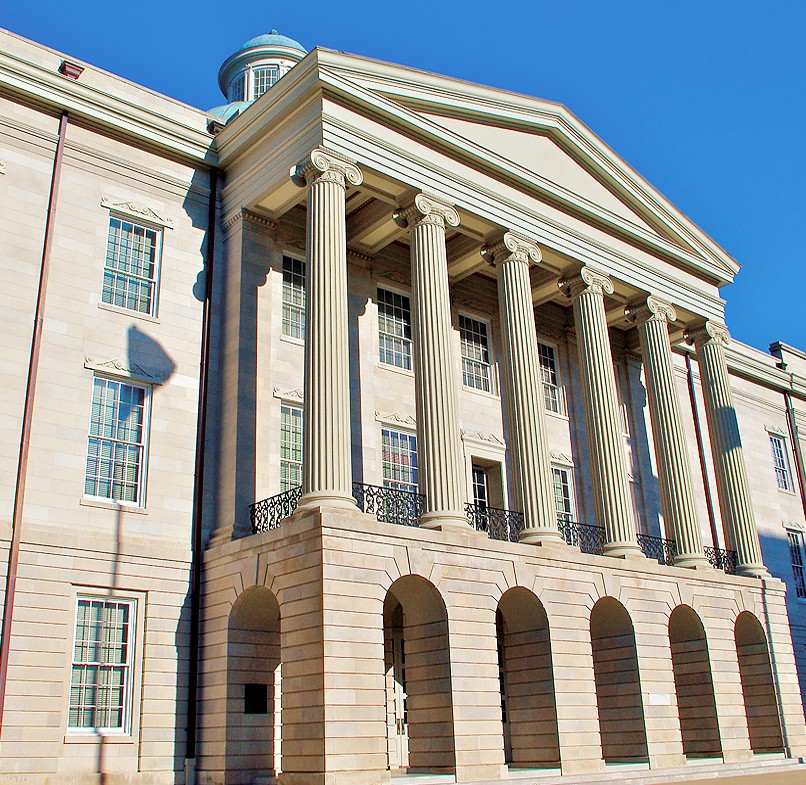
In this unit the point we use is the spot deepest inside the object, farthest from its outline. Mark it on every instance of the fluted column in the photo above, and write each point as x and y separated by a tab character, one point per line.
674	470
438	443
534	493
733	489
611	494
326	470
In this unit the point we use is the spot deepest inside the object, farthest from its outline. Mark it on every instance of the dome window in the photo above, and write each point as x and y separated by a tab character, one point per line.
264	78
236	89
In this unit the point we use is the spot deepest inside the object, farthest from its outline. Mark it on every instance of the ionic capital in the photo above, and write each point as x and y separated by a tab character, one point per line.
708	332
509	246
650	309
426	209
586	280
321	165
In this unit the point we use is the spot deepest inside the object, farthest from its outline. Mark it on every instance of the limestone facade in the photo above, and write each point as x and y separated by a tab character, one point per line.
405	301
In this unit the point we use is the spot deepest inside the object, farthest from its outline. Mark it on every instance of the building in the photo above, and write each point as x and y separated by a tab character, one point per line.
375	423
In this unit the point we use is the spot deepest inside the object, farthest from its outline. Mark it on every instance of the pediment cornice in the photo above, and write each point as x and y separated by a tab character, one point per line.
680	240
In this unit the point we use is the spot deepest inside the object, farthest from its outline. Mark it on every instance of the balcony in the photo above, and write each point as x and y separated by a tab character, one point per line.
499	524
404	508
388	505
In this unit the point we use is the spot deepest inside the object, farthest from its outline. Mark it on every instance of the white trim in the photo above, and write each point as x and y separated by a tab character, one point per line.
142	479
126	728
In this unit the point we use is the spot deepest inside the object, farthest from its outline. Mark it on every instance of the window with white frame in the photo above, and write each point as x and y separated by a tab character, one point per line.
293	298
290	447
780	462
101	679
399	460
796	552
131	268
476	369
116	451
394	329
562	480
552	391
236	89
264	77
481	488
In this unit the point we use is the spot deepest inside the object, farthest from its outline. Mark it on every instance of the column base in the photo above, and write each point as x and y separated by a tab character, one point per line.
546	538
327	499
692	561
623	550
446	520
752	571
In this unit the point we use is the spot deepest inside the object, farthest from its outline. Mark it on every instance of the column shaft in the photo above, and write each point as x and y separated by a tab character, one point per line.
732	485
611	494
534	493
671	451
327	470
438	443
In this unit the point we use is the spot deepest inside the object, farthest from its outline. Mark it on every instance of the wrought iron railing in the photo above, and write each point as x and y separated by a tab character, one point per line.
664	551
389	505
266	514
589	539
722	560
498	523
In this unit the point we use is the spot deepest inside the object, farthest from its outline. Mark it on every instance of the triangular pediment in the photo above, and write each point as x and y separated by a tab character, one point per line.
503	158
542	156
537	142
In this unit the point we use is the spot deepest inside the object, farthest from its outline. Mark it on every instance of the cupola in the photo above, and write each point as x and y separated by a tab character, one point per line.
248	73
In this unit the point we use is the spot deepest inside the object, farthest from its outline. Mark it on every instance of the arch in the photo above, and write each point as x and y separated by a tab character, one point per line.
760	703
694	685
253	687
618	684
418	678
528	703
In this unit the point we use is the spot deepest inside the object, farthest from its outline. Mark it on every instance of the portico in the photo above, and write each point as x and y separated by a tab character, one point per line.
442	283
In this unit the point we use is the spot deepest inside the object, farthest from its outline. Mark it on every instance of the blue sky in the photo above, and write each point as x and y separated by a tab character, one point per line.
705	99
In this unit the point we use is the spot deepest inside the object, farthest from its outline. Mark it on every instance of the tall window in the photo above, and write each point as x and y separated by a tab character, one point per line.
796	551
552	392
563	493
399	458
476	371
264	78
117	442
780	462
394	329
100	685
132	266
293	298
481	490
236	91
290	447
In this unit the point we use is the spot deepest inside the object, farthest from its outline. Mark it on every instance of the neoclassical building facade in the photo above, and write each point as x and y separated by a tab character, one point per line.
376	425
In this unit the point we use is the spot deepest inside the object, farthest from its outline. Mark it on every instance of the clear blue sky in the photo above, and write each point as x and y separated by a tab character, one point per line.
705	99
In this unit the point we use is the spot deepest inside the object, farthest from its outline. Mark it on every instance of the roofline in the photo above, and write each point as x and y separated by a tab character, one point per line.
32	83
515	110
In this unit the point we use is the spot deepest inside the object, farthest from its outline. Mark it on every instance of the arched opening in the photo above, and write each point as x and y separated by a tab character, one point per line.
618	685
760	704
418	678
253	688
528	706
694	685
